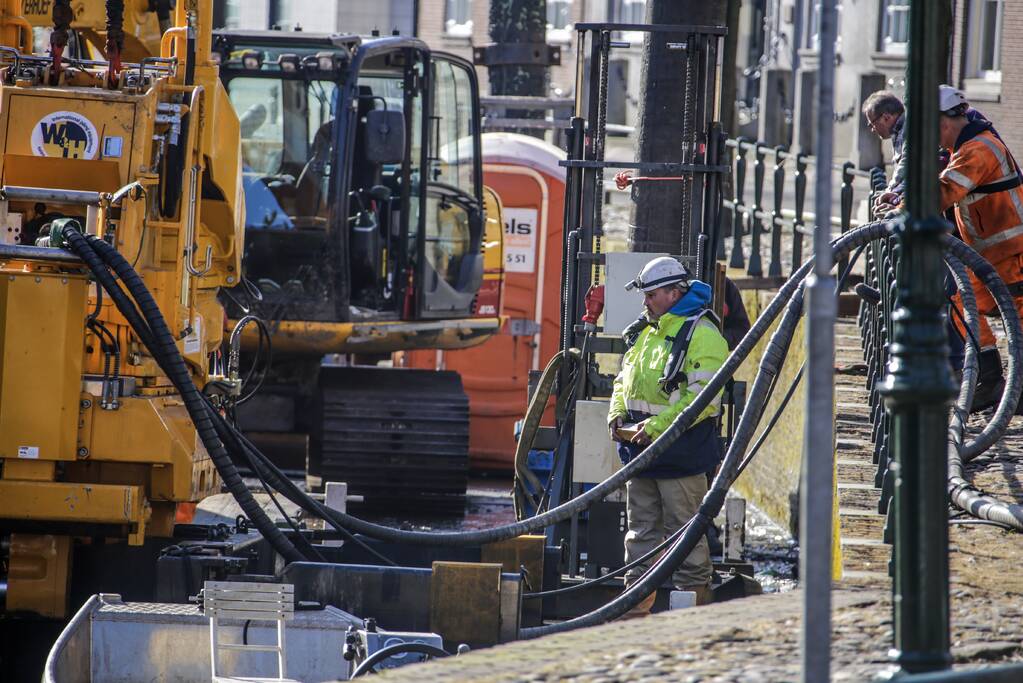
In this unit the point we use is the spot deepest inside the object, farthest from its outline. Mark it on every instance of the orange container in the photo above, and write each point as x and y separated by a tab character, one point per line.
524	172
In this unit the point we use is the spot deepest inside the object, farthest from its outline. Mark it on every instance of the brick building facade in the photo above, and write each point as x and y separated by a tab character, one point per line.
987	63
778	45
457	25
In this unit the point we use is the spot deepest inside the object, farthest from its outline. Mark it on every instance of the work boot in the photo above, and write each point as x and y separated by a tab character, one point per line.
990	382
642	609
704	594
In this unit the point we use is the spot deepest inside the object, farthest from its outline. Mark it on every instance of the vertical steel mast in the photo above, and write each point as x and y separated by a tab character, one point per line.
818	449
919	385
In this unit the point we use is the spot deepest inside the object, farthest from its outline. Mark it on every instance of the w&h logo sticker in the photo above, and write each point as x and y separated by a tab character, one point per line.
65	134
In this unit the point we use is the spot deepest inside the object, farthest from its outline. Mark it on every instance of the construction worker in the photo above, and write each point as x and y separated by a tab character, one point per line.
886	117
983	183
673	352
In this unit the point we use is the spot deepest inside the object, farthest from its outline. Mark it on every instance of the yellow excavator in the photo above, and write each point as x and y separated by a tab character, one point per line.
368	231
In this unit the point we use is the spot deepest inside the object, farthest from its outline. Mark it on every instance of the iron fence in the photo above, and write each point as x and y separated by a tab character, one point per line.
874	319
749	219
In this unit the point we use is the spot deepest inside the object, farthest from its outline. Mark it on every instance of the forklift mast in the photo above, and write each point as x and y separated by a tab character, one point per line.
579	439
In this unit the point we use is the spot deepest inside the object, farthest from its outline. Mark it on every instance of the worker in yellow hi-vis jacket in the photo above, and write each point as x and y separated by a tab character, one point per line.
674	350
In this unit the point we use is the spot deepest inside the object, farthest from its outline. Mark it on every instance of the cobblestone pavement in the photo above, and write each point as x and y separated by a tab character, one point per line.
756	640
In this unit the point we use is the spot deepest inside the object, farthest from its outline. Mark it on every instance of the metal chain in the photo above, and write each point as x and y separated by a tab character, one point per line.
688	143
598	150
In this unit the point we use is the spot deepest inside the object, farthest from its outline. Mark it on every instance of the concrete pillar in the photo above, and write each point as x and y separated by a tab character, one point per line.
804	114
867	152
775	104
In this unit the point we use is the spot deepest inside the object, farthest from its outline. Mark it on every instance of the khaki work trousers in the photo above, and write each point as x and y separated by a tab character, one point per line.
657	508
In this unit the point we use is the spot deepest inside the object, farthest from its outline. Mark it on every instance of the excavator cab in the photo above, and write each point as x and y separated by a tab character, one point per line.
365	235
363	185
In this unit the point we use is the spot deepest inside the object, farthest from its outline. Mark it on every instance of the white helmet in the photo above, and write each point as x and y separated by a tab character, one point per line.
950	98
660	272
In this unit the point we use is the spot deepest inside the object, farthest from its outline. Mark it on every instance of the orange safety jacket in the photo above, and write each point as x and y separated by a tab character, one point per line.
983	181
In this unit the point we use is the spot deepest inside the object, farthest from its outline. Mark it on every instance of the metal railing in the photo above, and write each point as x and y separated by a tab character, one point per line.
749	219
880	259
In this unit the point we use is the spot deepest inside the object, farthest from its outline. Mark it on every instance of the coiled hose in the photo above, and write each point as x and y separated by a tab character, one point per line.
986	273
530	425
962	493
150	326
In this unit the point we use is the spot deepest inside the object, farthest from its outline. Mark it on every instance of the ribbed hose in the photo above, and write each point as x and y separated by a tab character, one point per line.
150	326
273	478
770	365
562	512
986	273
530	425
962	493
115	28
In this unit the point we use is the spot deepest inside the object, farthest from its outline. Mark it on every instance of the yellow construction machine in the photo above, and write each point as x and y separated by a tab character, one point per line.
368	231
137	164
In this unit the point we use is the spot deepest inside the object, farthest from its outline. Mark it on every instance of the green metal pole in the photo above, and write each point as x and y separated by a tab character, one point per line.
919	387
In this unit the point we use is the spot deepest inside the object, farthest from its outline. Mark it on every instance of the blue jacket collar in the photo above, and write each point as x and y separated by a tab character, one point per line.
695	300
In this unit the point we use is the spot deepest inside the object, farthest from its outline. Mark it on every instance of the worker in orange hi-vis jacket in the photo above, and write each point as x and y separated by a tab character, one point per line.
983	183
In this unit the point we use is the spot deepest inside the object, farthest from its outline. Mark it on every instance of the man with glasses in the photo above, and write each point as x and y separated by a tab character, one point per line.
886	118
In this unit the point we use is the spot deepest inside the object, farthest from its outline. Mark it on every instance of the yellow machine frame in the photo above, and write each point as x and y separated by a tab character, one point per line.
73	464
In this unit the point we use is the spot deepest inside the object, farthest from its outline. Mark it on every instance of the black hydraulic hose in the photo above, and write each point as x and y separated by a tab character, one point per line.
986	273
962	492
773	358
223	432
396	649
271	476
152	330
682	422
742	466
115	27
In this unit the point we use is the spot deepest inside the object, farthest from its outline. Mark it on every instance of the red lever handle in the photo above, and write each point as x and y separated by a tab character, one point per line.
594	304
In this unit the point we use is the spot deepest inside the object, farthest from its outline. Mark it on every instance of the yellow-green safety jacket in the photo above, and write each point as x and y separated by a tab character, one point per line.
638	393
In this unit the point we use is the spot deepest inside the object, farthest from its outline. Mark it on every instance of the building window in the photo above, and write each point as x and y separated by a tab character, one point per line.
627	11
813	23
895	27
458	18
559	21
984	41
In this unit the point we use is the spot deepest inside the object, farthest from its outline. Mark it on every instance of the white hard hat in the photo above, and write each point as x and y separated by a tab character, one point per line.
950	98
660	272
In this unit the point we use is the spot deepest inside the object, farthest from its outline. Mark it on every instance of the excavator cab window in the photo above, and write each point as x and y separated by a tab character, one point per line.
287	124
376	203
286	131
451	267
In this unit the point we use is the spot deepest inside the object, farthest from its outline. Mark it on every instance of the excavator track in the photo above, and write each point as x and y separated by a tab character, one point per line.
398	437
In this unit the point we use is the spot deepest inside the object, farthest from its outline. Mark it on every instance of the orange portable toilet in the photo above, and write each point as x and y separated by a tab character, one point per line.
524	172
